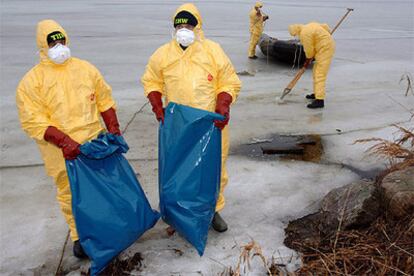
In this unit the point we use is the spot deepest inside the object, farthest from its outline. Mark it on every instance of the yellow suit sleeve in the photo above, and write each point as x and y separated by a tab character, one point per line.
256	22
153	79
306	38
32	112
227	79
103	91
253	16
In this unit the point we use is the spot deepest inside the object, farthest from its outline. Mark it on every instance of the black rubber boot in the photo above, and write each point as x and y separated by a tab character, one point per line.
78	250
316	104
218	223
310	96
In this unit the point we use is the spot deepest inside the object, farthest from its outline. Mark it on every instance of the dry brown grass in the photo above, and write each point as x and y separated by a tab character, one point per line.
399	153
385	248
247	253
118	267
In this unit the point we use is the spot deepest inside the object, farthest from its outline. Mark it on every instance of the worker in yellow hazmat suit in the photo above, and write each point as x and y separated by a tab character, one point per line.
60	102
194	71
318	44
256	27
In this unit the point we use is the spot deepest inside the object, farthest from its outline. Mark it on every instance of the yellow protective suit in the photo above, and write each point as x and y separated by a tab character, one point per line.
68	96
318	44
194	77
256	29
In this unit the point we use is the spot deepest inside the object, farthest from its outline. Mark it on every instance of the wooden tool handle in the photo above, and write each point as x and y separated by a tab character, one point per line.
299	74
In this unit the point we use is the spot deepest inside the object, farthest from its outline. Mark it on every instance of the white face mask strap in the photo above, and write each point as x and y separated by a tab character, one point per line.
196	36
40	51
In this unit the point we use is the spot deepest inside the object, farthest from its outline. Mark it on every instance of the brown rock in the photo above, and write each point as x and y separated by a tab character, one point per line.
303	232
356	204
398	192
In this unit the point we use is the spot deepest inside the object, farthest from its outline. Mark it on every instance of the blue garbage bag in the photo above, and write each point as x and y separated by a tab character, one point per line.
189	171
110	208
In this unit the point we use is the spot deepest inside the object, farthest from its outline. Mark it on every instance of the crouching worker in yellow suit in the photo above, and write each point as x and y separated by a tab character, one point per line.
256	28
194	71
318	44
60	102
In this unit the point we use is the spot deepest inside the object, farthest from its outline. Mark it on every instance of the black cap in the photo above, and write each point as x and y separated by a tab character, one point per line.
52	37
184	17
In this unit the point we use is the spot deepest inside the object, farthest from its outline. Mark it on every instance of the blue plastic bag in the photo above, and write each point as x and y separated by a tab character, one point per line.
189	171
110	208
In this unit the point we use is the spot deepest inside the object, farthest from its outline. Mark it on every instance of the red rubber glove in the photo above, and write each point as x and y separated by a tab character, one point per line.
155	99
111	121
223	107
70	148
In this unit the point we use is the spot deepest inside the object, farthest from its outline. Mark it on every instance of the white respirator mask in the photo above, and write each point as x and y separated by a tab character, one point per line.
185	37
58	53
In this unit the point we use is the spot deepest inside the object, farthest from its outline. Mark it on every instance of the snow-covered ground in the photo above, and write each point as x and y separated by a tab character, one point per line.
375	47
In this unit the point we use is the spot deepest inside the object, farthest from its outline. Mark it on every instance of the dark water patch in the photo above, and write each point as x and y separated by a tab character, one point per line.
296	147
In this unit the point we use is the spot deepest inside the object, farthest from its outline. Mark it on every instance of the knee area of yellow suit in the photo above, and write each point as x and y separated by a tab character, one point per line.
56	168
64	197
254	40
320	71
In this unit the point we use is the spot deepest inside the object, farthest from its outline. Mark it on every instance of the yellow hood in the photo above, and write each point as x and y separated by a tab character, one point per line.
258	4
295	29
44	28
191	8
